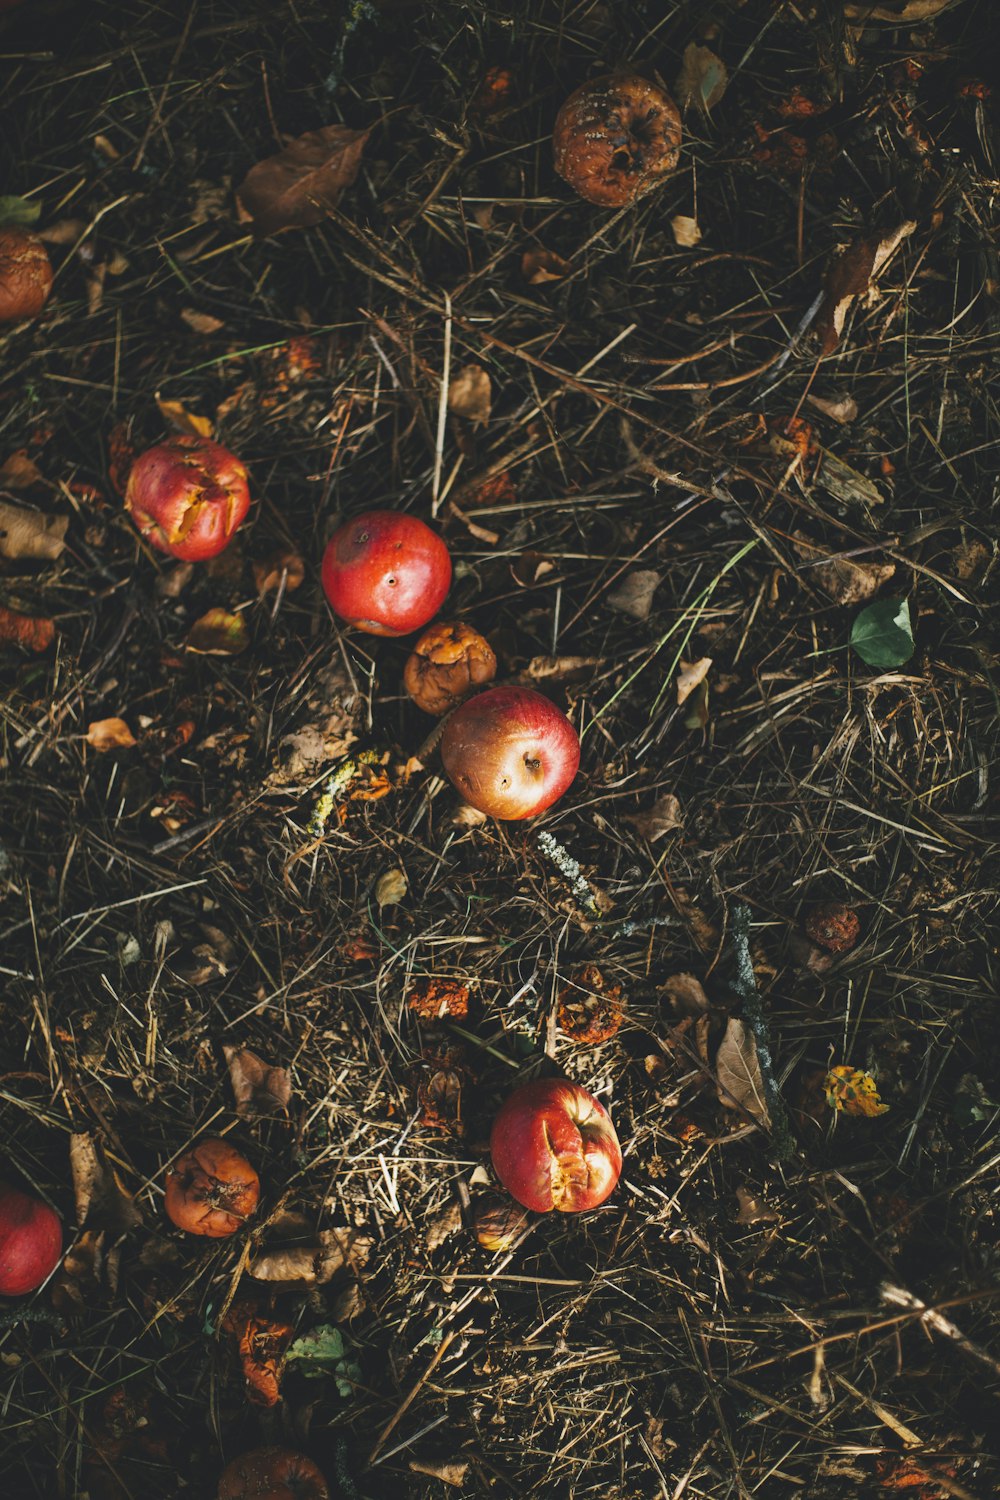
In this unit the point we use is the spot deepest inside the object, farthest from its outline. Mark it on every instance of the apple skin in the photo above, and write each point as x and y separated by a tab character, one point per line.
386	572
553	1146
187	496
510	752
31	1241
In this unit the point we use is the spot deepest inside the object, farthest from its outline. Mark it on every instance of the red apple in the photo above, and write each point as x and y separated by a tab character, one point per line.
187	496
30	1241
386	572
510	752
554	1146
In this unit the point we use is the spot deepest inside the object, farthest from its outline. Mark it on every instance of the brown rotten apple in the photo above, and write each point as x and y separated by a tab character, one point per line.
30	1241
272	1474
211	1190
25	275
187	496
554	1146
386	572
616	138
449	661
510	752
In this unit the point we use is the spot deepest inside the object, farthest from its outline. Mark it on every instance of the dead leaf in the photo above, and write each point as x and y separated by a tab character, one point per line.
63	231
442	1226
330	1252
539	266
30	533
109	734
687	232
390	888
453	1473
903	12
840	409
259	1088
300	185
495	490
737	1067
664	815
560	668
846	581
34	633
179	419
852	275
704	932
969	559
853	1092
466	816
107	148
686	995
102	1202
19	472
753	1210
470	394
697	715
703	79
844	483
634	595
690	676
218	633
200	322
283	569
262	1344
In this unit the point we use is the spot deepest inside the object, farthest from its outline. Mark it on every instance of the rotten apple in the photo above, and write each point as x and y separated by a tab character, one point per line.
449	661
616	138
30	1241
386	572
211	1190
272	1474
553	1146
510	752
25	274
187	496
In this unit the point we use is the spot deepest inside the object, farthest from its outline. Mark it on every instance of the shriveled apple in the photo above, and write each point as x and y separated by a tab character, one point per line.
31	1241
449	662
25	274
616	138
385	572
553	1146
510	752
211	1190
187	496
272	1474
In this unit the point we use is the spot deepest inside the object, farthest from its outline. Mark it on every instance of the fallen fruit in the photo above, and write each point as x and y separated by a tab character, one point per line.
187	496
25	275
30	1241
510	752
449	661
554	1146
211	1190
834	927
615	138
386	572
498	1222
272	1474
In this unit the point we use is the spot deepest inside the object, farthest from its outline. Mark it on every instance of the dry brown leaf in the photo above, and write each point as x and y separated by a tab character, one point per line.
539	266
838	409
846	581
687	232
737	1067
657	820
177	417
969	559
300	185
107	148
258	1087
390	888
329	1253
690	676
109	734
466	816
443	1226
218	633
34	633
19	472
851	275
453	1473
703	79
902	13
686	995
704	932
283	569
102	1202
634	595
201	322
753	1210
560	668
63	231
470	394
30	533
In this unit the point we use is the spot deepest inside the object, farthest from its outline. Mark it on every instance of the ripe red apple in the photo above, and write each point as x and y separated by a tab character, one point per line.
187	496
386	572
554	1146
30	1241
510	752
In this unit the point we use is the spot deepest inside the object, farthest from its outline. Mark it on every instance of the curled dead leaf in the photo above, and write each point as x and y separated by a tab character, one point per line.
109	734
454	1473
218	633
19	472
299	185
470	394
539	266
851	275
738	1070
686	995
200	322
658	820
686	231
283	569
102	1201
179	419
845	580
390	888
330	1252
753	1210
30	533
691	675
258	1087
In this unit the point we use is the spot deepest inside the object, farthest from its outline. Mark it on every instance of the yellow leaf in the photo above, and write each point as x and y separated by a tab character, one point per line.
109	734
177	416
852	1092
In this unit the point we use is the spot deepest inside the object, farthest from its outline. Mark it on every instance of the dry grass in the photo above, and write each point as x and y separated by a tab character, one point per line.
659	1347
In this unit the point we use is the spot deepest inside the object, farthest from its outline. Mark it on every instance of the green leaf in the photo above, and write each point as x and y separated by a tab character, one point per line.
18	211
882	635
323	1352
